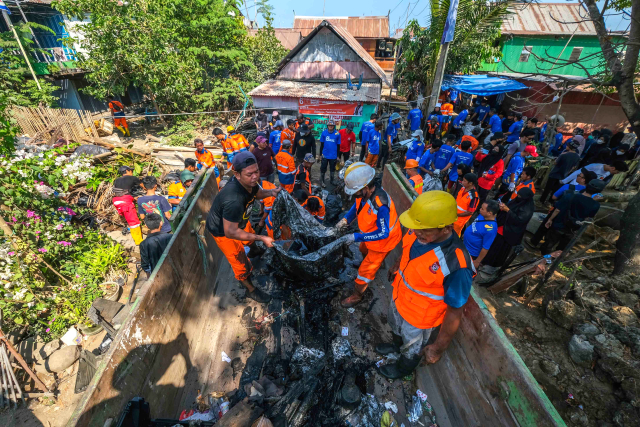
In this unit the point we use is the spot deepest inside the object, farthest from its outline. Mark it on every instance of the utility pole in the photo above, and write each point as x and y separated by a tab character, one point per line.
437	81
15	34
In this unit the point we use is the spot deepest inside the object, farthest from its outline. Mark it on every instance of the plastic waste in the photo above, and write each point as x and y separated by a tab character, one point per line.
388	420
91	150
415	410
340	348
430	183
225	357
391	406
72	337
345	331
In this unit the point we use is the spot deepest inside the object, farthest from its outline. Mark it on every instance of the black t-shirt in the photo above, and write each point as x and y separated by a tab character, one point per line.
127	182
574	206
233	204
265	165
564	164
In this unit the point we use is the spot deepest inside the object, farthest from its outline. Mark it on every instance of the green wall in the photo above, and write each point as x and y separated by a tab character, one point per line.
547	47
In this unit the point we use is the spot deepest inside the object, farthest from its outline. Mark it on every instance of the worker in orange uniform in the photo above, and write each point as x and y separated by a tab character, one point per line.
411	167
177	189
117	113
205	159
379	231
228	220
446	109
431	284
286	166
289	132
241	141
433	129
229	146
303	173
312	204
467	201
526	180
123	201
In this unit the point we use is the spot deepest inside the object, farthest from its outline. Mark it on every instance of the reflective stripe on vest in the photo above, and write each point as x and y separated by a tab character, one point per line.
424	294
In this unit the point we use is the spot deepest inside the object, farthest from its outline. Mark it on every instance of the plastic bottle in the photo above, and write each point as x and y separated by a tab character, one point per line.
548	259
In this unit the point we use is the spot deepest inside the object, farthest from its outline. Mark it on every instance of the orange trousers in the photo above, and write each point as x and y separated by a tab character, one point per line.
370	265
371	160
121	121
233	250
288	187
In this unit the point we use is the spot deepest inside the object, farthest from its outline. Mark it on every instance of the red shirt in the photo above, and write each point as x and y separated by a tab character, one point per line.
486	181
346	140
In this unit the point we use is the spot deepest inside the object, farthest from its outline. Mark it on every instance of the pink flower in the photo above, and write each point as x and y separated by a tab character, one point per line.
63	243
59	226
48	329
11	253
43	250
38	232
30	214
14	219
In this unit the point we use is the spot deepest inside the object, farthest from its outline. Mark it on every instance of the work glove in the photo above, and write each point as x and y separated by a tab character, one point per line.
342	224
512	186
350	238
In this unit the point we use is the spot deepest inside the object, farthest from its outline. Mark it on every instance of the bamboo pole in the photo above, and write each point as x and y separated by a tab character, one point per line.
5	386
16	386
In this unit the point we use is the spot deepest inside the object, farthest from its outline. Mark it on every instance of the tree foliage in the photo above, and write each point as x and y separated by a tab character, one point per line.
477	28
184	53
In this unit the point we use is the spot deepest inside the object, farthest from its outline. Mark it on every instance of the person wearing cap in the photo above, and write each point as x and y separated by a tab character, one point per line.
414	177
265	157
481	112
563	166
518	146
415	116
459	120
621	154
241	141
329	143
154	203
569	211
177	189
275	117
462	156
347	143
374	139
303	174
286	166
389	136
228	220
378	228
274	136
289	132
398	124
433	129
304	144
367	127
416	147
302	120
431	284
513	134
437	113
526	180
123	200
467	201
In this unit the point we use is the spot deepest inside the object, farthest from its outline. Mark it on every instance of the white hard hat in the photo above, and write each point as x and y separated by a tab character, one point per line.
357	176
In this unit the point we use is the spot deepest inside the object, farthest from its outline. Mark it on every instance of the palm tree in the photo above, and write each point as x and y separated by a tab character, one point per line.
477	30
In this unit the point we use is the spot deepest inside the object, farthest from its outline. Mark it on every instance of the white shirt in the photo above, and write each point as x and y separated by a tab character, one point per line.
598	168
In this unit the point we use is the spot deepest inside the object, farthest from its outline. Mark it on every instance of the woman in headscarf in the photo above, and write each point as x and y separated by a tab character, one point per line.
598	151
512	223
490	168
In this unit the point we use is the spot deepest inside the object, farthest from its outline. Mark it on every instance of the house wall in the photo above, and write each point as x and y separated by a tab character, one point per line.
547	47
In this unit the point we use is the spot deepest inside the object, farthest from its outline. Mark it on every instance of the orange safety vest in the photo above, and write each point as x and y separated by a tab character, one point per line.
268	201
320	212
287	134
205	158
446	109
368	215
467	201
286	170
176	190
300	172
431	128
417	183
227	146
418	289
306	122
241	141
474	142
522	185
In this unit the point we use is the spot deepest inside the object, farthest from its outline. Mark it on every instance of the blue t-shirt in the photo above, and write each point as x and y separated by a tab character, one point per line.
437	116
558	146
366	128
458	158
442	157
515	130
483	112
426	159
391	131
373	146
155	204
457	285
453	95
515	166
415	117
460	118
479	235
495	123
560	192
274	140
416	148
331	143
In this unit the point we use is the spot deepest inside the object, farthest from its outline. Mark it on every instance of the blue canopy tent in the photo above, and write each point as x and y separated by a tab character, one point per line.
480	85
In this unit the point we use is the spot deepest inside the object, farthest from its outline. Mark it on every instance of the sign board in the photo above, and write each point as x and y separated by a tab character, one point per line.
342	113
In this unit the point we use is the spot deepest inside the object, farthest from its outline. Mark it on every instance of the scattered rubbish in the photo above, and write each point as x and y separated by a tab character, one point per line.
345	331
303	359
427	409
224	408
351	310
262	422
341	348
72	337
380	362
225	357
388	420
415	410
350	393
262	389
391	406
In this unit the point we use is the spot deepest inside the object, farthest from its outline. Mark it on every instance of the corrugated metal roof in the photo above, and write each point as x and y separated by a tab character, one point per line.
548	19
369	92
371	27
348	39
289	37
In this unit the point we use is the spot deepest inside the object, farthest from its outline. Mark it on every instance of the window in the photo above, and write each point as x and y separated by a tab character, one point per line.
524	55
575	54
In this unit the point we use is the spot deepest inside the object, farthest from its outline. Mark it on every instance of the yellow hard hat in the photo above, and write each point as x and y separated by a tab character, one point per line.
433	209
230	128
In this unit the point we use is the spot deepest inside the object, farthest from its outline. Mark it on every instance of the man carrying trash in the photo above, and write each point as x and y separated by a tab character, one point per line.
117	113
123	201
228	220
379	231
431	284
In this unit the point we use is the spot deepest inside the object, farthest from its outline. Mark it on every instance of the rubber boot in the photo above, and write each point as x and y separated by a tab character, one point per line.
355	298
127	132
388	348
332	177
322	180
136	233
121	129
403	367
258	295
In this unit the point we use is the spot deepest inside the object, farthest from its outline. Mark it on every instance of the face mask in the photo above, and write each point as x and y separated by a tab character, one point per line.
619	153
485	151
601	141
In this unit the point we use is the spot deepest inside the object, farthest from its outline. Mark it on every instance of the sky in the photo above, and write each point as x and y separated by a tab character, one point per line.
401	10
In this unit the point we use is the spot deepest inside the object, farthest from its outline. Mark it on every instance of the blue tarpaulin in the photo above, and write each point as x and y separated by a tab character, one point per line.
481	85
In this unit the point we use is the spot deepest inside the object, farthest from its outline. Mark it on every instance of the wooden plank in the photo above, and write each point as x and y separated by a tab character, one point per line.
241	415
512	278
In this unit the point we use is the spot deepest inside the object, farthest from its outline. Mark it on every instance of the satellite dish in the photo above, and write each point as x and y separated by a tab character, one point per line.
560	119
